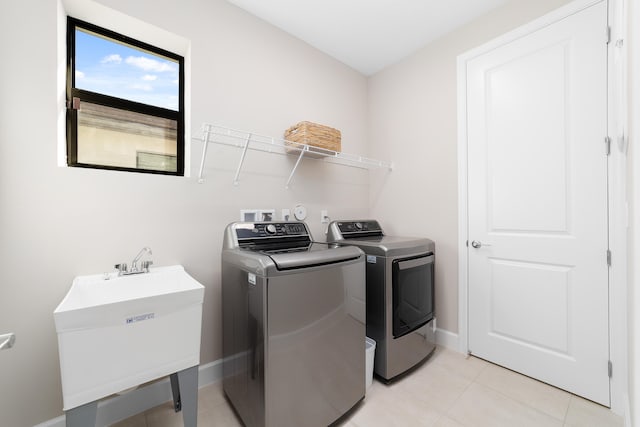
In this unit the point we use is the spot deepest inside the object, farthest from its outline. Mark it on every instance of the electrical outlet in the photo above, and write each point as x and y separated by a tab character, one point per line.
267	214
286	214
324	216
7	341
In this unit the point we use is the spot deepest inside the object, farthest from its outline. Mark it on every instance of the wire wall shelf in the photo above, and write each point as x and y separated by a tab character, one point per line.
250	141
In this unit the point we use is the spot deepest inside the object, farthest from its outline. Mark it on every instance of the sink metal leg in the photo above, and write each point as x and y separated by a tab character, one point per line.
184	387
83	416
175	392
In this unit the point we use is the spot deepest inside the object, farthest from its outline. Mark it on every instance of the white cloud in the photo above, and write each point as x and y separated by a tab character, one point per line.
112	59
149	77
148	64
176	81
144	87
79	75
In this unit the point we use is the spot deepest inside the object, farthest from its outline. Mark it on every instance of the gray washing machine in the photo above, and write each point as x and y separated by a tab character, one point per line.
400	294
293	317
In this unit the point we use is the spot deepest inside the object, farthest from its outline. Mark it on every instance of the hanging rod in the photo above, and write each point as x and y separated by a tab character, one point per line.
251	141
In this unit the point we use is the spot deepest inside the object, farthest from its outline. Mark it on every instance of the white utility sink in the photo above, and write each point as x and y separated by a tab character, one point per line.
115	332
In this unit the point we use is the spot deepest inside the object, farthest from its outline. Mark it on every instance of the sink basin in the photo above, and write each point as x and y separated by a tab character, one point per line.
117	332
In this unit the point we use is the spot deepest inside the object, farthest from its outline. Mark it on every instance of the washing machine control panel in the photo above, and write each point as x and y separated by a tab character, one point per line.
270	229
359	226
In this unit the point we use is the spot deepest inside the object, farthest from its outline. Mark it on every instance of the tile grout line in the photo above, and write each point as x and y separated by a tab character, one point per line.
471	380
566	413
466	388
499	391
488	387
486	364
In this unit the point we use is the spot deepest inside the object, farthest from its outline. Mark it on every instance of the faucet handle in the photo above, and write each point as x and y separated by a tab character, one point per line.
145	265
122	268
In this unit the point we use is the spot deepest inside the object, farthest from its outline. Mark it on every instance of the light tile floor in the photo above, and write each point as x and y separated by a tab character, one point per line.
449	390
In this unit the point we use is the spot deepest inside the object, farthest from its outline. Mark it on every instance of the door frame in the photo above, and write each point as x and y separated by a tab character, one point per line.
617	182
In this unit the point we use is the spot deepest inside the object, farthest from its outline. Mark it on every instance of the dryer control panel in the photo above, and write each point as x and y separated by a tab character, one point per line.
366	226
354	229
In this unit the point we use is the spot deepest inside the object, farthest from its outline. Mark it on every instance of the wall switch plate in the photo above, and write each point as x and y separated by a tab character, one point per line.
286	215
249	215
257	215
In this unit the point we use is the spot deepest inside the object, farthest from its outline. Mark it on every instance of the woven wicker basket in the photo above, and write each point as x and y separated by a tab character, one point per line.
314	135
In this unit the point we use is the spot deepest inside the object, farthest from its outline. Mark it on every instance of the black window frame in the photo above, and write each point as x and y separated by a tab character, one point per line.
74	94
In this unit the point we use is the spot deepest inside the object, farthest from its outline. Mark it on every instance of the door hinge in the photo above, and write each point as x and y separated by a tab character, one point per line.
610	368
608	258
608	35
73	103
607	145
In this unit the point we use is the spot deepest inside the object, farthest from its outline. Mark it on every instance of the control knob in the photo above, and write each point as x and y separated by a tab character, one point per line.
359	225
270	229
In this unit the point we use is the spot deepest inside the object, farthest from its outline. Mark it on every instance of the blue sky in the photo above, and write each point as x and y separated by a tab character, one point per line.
115	69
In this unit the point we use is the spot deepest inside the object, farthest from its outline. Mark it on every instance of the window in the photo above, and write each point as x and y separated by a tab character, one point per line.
125	102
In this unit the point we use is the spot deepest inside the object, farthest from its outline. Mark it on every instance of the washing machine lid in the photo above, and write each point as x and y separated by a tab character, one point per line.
311	255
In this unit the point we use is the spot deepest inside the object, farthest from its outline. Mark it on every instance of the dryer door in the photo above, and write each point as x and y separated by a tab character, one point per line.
413	293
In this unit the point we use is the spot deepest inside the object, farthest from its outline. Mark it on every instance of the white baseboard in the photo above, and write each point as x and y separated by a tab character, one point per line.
119	407
55	422
210	373
447	339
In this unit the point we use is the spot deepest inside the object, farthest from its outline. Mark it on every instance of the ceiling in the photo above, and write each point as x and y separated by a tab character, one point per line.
367	35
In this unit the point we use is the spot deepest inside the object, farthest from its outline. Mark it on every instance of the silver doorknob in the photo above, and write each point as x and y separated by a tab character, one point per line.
476	244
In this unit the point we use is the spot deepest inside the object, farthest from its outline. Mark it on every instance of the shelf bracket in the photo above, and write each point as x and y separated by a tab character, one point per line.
242	156
293	171
205	144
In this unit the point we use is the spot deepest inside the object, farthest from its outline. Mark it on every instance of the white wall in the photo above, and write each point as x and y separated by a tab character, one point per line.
634	225
412	120
57	222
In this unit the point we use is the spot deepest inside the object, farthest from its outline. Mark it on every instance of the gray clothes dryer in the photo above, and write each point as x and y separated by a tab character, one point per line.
400	294
293	325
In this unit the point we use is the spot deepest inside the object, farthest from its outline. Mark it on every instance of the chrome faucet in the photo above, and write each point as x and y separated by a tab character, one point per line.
123	269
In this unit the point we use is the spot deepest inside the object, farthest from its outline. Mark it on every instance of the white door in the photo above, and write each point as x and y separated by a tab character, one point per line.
537	188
